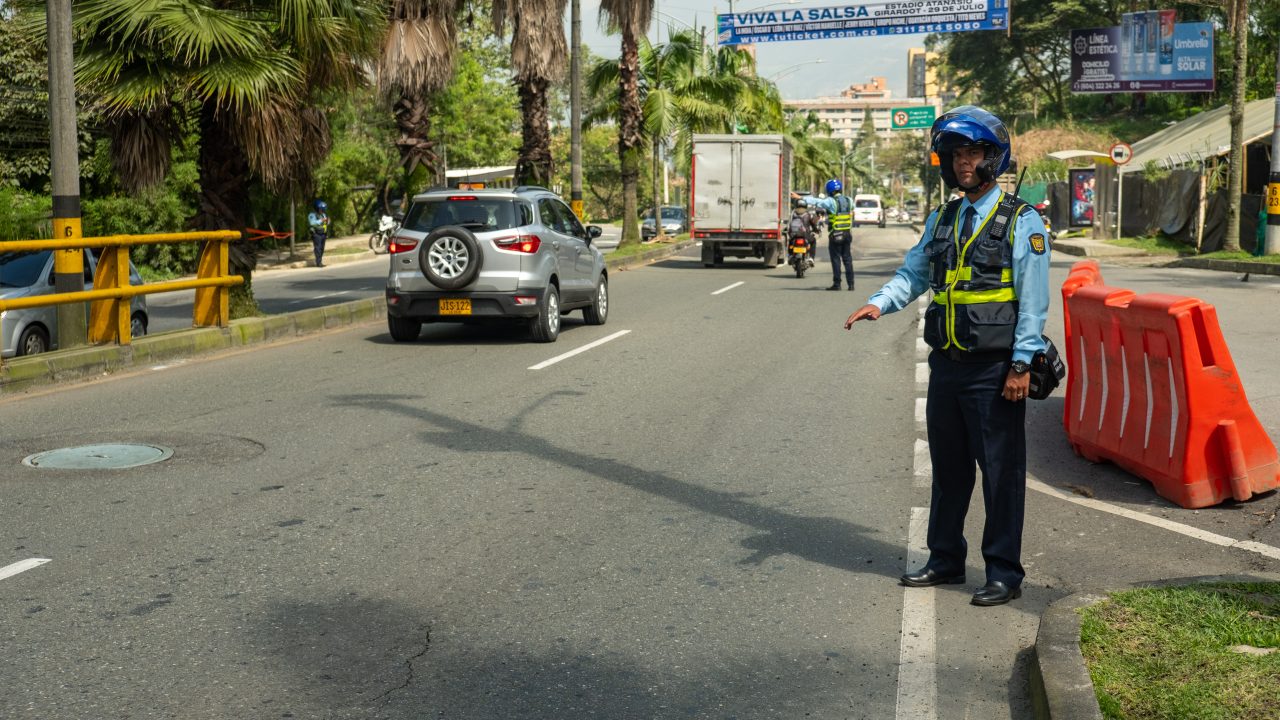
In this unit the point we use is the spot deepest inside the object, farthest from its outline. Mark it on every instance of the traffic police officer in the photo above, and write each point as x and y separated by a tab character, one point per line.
839	235
986	257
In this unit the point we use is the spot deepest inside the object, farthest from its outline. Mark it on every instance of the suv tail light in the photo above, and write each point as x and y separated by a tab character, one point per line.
401	244
527	244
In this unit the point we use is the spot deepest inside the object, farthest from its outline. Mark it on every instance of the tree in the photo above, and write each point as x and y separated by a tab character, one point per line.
242	73
415	64
631	18
539	56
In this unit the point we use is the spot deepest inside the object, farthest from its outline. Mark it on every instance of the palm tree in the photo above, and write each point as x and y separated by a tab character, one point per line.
539	56
242	73
631	18
416	63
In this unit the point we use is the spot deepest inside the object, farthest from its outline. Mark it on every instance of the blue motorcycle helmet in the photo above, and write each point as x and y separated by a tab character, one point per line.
834	186
322	206
966	126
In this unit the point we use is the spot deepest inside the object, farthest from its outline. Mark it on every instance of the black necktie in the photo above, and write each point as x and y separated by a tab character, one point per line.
967	229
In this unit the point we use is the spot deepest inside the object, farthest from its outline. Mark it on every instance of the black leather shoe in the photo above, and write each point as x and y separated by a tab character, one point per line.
928	577
995	593
834	287
851	287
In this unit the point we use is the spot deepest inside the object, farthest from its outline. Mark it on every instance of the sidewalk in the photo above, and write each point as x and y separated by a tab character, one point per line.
348	248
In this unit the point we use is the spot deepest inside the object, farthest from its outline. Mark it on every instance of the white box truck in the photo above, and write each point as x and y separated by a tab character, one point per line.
741	190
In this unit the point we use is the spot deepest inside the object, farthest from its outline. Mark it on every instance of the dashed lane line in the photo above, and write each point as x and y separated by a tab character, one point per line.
21	566
584	348
917	652
727	289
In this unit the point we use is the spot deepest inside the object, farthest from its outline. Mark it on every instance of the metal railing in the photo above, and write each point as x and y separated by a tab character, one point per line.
109	300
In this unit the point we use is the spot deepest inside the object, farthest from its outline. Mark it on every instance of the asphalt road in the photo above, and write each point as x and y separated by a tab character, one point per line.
703	516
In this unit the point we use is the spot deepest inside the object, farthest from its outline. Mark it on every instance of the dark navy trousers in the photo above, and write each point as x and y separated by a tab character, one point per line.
971	426
840	249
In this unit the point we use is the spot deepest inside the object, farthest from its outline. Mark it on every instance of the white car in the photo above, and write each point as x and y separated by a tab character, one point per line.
868	210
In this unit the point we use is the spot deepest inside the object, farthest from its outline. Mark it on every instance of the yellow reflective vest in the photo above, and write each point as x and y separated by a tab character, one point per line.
975	307
842	218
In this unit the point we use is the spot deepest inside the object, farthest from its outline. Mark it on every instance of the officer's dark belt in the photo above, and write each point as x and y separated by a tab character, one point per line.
986	356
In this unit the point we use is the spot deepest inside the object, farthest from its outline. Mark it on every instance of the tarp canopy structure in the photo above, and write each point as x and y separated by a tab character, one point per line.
1201	137
495	176
1081	156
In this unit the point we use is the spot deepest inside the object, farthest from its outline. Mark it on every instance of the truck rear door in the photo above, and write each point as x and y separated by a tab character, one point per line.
759	179
713	188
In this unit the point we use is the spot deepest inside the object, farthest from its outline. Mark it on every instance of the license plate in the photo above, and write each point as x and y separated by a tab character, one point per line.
455	306
799	251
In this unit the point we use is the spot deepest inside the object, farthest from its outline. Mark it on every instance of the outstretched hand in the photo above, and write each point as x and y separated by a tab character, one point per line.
866	312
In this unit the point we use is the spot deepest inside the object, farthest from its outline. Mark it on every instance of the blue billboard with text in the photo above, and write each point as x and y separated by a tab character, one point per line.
1149	52
847	21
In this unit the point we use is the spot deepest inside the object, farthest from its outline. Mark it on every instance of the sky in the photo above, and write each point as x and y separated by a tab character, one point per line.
844	62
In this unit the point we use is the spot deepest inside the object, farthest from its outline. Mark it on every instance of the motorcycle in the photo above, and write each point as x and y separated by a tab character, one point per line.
380	240
798	248
1043	209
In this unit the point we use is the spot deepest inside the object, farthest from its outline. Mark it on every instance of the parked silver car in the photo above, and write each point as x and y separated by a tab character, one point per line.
496	254
35	330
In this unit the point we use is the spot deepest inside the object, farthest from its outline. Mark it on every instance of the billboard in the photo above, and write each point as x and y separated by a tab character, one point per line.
1149	52
1081	196
846	21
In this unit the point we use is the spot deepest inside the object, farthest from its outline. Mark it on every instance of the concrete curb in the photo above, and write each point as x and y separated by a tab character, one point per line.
1234	266
18	375
1061	688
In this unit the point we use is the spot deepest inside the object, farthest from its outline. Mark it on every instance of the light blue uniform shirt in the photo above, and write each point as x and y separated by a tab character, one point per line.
826	203
1030	272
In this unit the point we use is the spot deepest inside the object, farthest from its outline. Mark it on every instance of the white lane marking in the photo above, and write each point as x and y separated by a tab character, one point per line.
727	289
917	654
922	375
923	465
921	412
319	297
21	566
584	348
922	348
1163	523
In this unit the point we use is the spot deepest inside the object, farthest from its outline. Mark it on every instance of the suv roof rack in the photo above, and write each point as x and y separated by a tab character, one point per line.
523	188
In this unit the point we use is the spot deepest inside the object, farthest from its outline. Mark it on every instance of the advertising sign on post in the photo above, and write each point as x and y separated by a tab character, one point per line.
1082	197
846	21
1148	52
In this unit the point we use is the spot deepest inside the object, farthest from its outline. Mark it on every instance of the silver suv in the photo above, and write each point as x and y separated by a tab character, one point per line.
501	254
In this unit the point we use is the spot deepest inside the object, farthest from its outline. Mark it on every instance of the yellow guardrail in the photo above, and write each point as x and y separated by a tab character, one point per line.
110	297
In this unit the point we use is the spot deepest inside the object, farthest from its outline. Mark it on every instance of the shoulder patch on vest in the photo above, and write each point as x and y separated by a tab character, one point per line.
1037	243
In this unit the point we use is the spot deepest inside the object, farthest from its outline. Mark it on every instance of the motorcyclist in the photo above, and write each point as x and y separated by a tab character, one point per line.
804	225
318	222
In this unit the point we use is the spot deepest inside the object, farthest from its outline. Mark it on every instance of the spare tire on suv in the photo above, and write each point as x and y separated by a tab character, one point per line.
450	257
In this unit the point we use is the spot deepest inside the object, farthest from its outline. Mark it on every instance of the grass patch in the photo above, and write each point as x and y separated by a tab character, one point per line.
638	248
1154	245
1166	653
1242	256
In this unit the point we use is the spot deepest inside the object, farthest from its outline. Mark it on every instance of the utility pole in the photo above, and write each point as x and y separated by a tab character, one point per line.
575	110
1273	182
68	265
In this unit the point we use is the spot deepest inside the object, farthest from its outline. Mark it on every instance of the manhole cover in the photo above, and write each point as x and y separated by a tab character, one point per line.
107	456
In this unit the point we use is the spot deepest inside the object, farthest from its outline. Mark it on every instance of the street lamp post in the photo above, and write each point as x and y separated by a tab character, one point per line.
790	68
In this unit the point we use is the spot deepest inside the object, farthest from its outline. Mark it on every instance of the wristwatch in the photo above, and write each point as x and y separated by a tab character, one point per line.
1020	367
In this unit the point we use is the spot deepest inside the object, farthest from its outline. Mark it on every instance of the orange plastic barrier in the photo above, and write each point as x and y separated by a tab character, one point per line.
1151	387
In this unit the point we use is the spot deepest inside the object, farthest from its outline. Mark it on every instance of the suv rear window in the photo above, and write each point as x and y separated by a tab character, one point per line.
868	203
477	214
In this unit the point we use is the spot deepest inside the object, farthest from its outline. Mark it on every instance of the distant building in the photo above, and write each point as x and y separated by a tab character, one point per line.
922	77
846	113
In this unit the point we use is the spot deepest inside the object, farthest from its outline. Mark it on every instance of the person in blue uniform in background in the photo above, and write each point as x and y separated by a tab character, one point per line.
318	222
839	209
985	255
